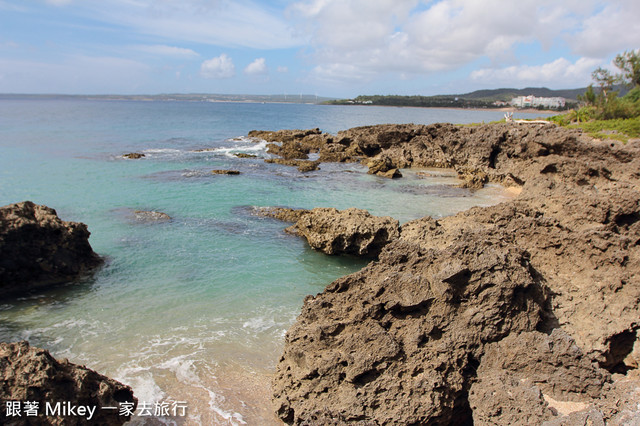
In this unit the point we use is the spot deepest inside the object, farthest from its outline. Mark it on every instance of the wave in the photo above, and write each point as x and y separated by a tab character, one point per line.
231	147
242	146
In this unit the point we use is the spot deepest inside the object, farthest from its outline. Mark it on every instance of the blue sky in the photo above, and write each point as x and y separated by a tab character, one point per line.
339	48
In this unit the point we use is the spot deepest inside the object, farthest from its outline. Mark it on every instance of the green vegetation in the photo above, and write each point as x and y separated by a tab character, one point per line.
415	101
496	98
604	114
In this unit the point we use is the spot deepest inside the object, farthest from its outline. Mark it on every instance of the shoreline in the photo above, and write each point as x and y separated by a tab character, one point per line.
366	337
434	267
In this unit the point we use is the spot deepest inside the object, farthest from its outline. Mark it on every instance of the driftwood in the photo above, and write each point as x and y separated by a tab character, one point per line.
508	117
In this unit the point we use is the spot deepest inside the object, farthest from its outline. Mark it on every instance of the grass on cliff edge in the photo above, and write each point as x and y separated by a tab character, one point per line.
620	129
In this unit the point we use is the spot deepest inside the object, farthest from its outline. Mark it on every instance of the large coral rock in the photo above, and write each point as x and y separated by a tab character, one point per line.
352	231
38	249
383	166
399	342
531	377
33	375
520	313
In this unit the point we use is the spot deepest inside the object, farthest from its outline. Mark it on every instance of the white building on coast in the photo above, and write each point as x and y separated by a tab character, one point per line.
535	101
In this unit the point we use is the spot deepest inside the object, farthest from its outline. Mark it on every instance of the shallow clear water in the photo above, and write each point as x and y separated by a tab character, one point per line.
194	309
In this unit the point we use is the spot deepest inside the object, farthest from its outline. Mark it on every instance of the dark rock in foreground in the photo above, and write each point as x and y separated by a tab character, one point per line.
37	249
32	374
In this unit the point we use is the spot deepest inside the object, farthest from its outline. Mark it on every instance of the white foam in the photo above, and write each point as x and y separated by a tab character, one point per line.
141	380
233	418
183	369
243	145
162	151
259	324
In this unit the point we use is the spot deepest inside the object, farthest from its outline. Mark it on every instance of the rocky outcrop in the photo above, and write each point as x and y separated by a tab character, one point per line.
33	375
383	166
225	172
133	155
245	155
396	342
293	144
352	231
38	249
479	154
519	313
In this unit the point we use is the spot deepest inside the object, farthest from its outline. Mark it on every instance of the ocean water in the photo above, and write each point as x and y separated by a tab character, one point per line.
193	310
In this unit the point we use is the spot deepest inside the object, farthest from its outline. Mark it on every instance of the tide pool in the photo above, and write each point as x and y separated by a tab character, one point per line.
193	309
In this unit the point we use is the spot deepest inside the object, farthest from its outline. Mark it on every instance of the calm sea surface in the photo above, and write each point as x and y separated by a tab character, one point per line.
193	310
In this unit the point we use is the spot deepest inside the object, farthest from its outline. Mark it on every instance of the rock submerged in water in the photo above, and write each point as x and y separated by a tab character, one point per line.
225	172
151	216
38	249
133	155
302	165
245	155
285	214
32	374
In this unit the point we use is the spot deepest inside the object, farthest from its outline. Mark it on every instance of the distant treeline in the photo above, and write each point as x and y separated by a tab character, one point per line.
425	101
416	101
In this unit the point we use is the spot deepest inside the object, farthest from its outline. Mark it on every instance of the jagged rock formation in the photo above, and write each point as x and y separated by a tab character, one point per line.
383	166
331	231
520	313
32	374
38	249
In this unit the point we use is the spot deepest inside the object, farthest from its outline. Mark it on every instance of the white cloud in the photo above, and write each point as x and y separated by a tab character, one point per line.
614	28
164	50
218	67
559	73
59	2
359	39
282	69
257	67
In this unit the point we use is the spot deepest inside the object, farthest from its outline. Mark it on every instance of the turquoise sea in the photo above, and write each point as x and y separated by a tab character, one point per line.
195	309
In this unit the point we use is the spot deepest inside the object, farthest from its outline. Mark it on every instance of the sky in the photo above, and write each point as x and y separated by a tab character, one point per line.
334	48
